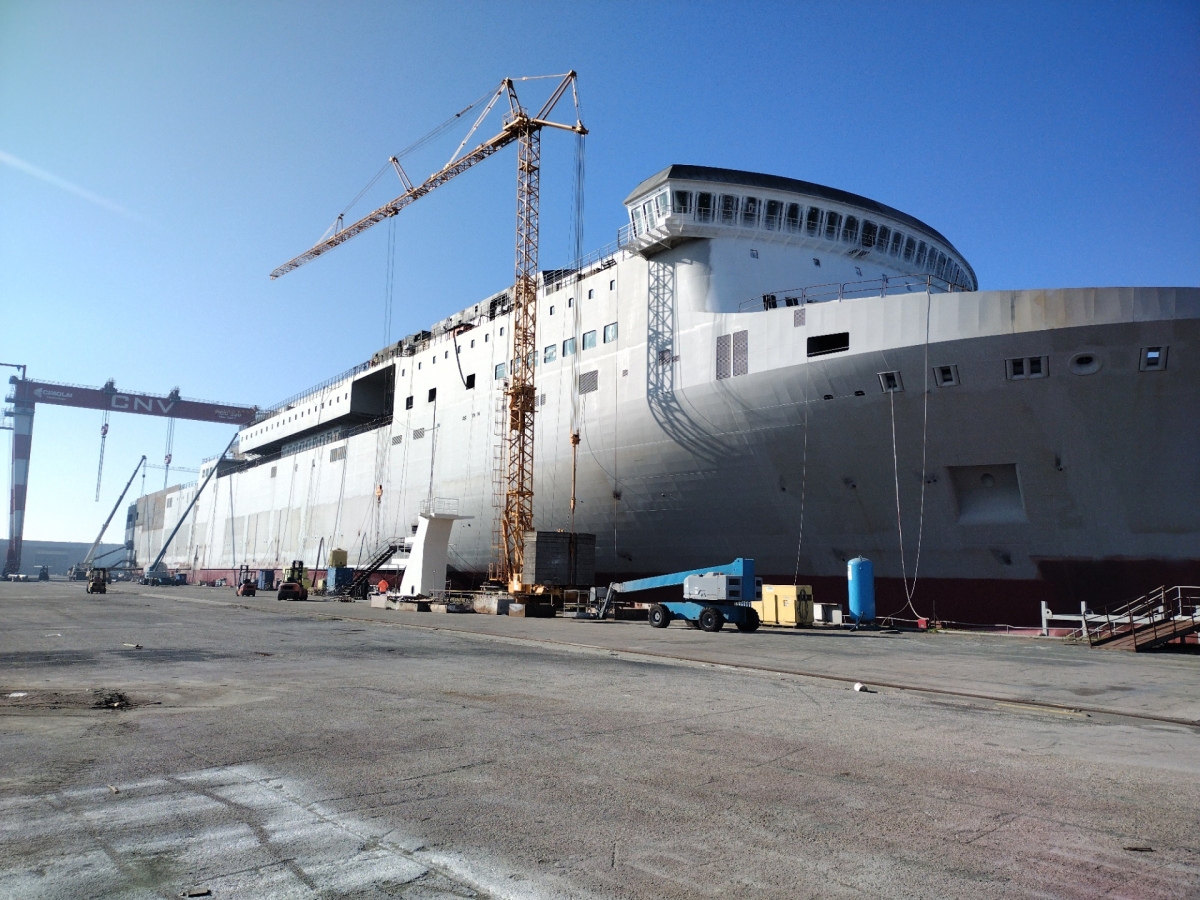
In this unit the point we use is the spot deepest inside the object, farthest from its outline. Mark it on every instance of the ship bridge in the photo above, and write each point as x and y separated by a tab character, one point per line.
818	234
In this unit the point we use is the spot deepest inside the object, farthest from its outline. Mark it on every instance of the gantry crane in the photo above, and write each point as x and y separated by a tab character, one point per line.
26	394
526	130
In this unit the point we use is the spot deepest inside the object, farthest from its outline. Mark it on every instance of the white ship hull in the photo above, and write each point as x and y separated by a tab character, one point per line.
1079	484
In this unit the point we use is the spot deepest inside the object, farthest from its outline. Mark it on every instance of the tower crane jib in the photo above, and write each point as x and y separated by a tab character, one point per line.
525	130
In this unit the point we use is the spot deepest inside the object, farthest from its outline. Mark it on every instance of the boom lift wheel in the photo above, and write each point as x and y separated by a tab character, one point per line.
711	619
751	624
659	616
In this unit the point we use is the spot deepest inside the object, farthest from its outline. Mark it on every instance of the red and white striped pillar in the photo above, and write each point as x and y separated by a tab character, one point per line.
22	437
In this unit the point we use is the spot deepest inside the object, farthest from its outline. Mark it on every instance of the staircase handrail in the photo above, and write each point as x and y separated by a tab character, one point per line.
1149	611
1125	618
1173	609
381	554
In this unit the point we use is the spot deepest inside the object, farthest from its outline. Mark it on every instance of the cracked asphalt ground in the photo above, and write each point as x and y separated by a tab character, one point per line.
157	742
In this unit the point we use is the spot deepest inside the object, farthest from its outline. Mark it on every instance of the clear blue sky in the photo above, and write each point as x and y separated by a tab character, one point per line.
159	159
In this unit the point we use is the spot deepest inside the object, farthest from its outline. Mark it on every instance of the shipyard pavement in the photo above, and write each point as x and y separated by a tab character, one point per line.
159	742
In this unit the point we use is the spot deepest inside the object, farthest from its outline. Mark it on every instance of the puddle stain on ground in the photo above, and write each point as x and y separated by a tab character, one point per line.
112	700
32	700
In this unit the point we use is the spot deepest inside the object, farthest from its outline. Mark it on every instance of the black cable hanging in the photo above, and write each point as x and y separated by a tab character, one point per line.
389	284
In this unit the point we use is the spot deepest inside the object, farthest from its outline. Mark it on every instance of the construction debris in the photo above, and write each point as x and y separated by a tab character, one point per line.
112	700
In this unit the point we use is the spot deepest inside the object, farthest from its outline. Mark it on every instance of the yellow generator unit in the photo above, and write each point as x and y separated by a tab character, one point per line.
788	605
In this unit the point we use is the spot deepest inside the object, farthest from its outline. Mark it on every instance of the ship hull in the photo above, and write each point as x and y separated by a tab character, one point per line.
986	496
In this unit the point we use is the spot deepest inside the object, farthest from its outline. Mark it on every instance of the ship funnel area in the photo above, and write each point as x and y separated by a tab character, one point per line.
742	234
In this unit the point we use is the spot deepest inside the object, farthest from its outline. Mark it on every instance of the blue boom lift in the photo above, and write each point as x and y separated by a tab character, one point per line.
711	597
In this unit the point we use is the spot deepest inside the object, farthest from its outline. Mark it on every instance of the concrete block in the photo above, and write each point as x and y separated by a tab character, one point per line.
378	601
491	604
412	605
531	610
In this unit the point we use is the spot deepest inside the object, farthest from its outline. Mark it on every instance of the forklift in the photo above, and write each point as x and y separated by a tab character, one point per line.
246	586
97	581
292	587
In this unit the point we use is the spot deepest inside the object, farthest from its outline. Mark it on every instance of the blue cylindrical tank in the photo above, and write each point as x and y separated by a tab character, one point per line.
860	575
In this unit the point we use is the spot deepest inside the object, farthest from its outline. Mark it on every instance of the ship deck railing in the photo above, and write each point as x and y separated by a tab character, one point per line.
597	261
318	440
296	399
887	286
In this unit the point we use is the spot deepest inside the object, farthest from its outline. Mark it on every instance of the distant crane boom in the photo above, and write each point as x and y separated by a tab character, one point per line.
87	560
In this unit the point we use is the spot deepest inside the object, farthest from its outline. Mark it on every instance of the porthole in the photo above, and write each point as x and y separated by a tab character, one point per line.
1085	363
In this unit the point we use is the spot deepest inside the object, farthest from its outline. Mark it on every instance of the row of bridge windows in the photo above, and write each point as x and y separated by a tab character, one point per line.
758	213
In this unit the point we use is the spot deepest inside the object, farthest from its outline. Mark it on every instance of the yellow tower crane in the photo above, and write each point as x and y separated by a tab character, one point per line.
526	131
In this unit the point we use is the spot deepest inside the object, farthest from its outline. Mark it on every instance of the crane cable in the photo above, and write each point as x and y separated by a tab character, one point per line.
103	438
576	303
803	483
168	454
909	591
389	283
411	148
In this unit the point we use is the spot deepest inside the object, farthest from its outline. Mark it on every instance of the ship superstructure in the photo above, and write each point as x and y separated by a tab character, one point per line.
760	367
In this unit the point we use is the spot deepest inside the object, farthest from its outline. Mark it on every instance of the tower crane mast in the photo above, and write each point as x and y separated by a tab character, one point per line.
526	131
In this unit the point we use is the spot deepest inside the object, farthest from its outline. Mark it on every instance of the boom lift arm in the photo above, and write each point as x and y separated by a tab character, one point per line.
709	614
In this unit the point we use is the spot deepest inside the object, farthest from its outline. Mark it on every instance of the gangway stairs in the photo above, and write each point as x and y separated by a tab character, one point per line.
1163	615
385	551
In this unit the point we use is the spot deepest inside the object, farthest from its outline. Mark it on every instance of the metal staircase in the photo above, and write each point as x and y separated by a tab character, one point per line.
384	552
1163	615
